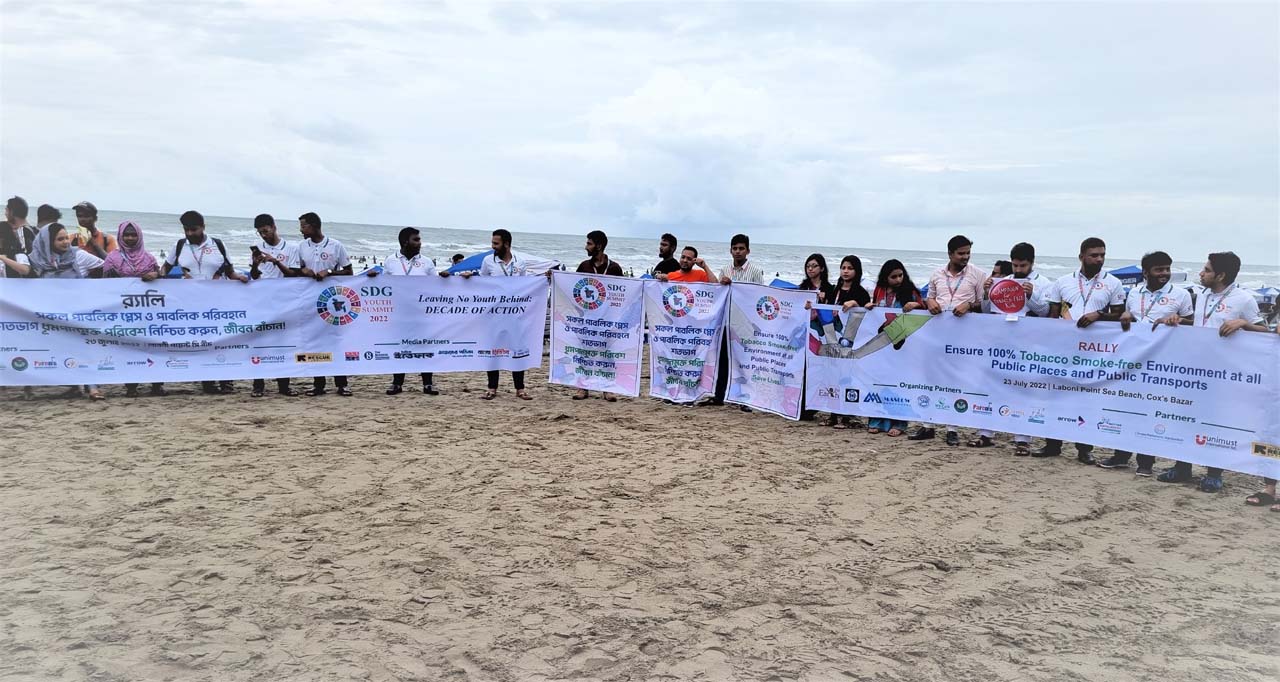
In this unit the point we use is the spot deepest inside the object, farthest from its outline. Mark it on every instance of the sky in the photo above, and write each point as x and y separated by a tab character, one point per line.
882	125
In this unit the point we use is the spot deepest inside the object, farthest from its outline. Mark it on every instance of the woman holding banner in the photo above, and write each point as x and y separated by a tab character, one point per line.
894	289
131	259
848	292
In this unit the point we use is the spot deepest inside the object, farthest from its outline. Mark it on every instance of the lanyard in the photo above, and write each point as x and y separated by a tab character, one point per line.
1142	310
1084	300
502	265
196	253
1209	307
959	282
607	263
413	263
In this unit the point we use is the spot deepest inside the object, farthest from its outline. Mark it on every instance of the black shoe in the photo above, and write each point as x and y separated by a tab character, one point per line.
953	438
1144	472
395	389
1114	463
922	434
131	392
428	389
345	392
744	408
1046	452
1086	458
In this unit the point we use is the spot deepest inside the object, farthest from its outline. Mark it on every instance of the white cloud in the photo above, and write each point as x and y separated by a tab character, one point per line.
869	125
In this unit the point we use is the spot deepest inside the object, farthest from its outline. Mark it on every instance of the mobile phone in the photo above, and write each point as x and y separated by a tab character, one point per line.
255	250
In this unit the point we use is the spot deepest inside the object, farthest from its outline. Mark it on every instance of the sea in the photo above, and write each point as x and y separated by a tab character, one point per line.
636	255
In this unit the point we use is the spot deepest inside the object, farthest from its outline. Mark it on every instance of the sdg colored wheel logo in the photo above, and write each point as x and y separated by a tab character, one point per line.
589	293
767	307
338	305
677	300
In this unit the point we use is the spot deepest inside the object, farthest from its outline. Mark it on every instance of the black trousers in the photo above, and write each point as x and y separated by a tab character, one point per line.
1185	468
1144	461
210	385
398	379
260	385
319	383
1055	444
722	372
516	377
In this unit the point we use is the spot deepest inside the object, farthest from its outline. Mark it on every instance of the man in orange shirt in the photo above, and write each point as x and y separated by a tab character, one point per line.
686	273
89	237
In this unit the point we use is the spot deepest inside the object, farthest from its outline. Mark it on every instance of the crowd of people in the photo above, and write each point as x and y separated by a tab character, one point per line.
50	249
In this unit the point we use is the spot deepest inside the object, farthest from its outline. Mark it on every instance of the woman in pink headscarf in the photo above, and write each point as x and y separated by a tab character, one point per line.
132	260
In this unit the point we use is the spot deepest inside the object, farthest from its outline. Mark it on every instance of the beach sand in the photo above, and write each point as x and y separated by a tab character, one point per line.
449	538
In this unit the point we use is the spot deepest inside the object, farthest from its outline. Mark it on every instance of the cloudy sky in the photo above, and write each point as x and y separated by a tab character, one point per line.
875	125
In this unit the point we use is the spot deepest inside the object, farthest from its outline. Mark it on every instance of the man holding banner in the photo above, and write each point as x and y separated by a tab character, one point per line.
598	263
685	271
274	257
408	262
1228	308
1087	296
740	270
1018	295
503	262
322	257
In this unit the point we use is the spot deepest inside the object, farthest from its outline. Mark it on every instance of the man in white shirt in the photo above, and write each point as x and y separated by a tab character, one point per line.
1022	259
199	256
955	288
321	257
1156	301
1087	296
1227	307
274	257
739	269
408	262
503	262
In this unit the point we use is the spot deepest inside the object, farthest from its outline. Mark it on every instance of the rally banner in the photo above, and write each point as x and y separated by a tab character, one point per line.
685	322
1183	393
103	331
767	334
597	328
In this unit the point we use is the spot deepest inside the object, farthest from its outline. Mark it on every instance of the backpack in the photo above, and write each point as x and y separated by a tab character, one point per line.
226	268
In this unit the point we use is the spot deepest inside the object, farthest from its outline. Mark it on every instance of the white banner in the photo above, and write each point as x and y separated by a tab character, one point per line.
103	331
597	327
1182	393
685	321
767	337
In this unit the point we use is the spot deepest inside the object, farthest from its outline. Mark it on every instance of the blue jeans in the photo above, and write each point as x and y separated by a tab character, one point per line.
887	424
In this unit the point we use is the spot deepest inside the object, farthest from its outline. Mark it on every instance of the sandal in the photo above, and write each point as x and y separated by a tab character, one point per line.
980	442
489	394
257	394
524	395
290	393
581	394
1022	449
313	392
345	392
1260	499
874	430
95	394
839	424
1275	507
609	398
894	433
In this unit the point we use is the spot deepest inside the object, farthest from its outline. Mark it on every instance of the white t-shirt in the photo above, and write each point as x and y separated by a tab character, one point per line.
1086	295
1036	302
202	261
1150	306
1233	303
20	258
491	266
396	264
285	251
86	261
329	255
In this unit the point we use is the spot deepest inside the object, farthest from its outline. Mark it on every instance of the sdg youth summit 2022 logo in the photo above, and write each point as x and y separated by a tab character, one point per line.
338	305
768	307
677	300
588	293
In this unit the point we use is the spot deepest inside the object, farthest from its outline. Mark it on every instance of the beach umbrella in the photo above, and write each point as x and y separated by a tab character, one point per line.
782	284
1128	275
1268	294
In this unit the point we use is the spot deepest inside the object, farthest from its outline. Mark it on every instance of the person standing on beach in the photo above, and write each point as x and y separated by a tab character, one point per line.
686	273
16	236
598	263
1021	269
409	262
1156	301
741	269
274	257
46	215
89	237
1087	296
894	289
817	278
956	288
322	257
846	293
199	256
132	260
667	262
1227	307
503	262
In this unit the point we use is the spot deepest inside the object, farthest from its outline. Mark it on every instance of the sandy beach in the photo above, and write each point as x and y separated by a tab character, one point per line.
449	538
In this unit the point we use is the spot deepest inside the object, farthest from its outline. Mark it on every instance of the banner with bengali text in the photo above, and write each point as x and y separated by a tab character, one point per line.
1177	392
597	328
767	334
104	331
685	322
